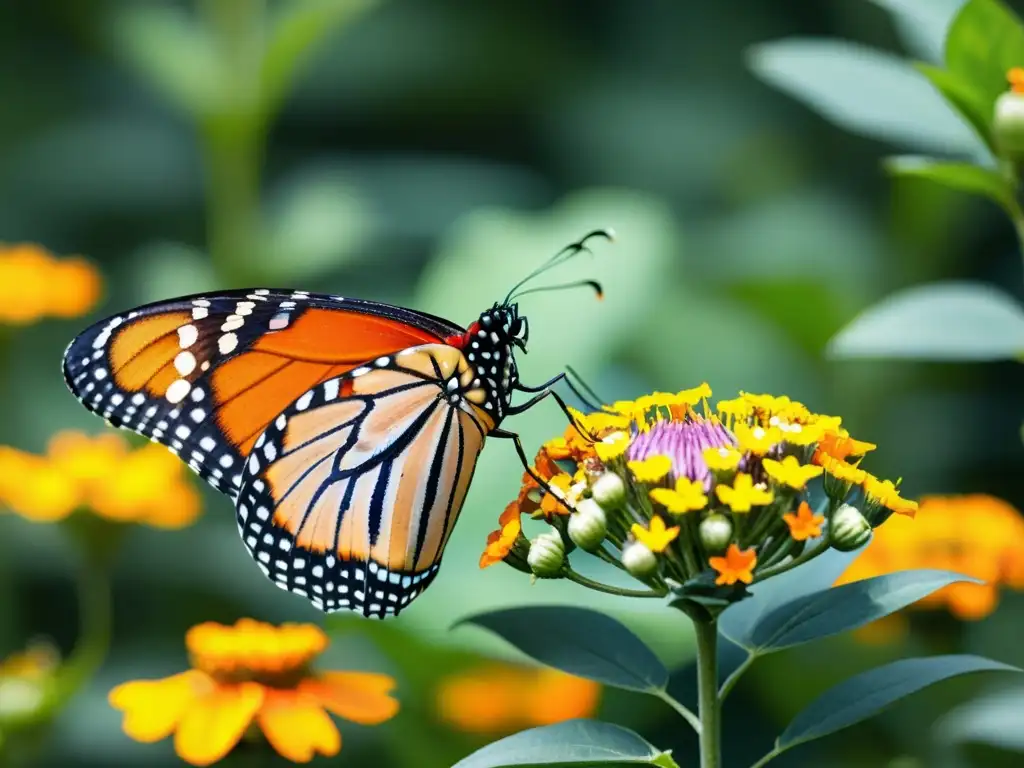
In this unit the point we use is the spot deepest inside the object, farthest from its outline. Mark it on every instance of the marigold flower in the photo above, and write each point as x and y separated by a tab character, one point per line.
804	524
977	535
743	494
736	565
650	470
791	472
687	496
34	285
252	674
499	542
656	537
506	698
100	473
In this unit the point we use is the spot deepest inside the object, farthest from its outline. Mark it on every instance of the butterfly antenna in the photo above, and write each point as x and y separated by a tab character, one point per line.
592	284
561	257
597	399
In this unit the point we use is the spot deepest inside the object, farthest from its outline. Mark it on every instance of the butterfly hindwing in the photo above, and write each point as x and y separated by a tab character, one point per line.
205	375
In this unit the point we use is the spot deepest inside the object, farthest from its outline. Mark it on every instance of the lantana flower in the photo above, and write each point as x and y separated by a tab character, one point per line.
683	495
34	285
102	474
502	698
253	675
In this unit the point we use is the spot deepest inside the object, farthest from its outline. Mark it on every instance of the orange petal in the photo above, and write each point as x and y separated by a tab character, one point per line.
215	722
297	726
153	708
361	697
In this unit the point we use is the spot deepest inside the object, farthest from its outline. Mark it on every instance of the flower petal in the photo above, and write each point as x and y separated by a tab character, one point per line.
153	708
297	727
361	697
213	725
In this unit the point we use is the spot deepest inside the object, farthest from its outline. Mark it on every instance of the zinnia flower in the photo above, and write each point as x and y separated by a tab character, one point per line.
505	698
147	485
253	674
34	284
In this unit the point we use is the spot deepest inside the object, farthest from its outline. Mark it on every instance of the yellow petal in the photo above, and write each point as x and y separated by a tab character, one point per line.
297	726
212	726
153	708
361	697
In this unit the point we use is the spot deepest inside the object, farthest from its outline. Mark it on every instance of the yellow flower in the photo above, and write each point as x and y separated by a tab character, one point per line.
554	503
757	440
34	285
736	409
687	496
886	493
656	537
737	565
977	535
247	675
796	433
743	494
790	471
499	542
612	446
651	469
722	459
839	469
838	444
506	698
695	395
804	524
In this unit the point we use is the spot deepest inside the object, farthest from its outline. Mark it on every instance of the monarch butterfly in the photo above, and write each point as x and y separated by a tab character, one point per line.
345	431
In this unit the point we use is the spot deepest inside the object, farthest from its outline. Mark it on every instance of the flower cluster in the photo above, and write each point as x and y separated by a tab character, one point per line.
976	535
102	474
676	492
504	698
34	285
253	674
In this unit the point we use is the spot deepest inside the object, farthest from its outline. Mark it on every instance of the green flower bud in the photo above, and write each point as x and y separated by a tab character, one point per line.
1008	125
639	560
588	525
715	532
20	699
547	554
849	529
608	490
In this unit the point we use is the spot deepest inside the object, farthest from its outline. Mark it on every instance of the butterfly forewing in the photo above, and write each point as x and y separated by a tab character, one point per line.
351	493
206	375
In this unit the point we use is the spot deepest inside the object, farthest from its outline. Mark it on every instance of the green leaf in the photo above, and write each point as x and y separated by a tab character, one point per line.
864	695
867	92
971	105
963	177
992	719
941	321
840	609
572	743
923	23
985	40
578	641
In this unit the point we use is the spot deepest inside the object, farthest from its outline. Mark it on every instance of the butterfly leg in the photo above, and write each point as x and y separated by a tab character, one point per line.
514	437
583	396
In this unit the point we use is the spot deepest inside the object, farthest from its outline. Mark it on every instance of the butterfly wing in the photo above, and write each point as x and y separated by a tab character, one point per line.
350	495
205	375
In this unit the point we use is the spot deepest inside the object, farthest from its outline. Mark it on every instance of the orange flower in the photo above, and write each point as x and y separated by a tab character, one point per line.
737	565
100	473
34	284
839	445
839	469
252	674
505	698
553	504
1015	76
804	524
977	535
499	542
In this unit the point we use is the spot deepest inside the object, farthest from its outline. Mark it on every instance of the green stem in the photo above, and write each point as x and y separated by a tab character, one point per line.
707	693
768	758
598	586
734	678
682	709
807	555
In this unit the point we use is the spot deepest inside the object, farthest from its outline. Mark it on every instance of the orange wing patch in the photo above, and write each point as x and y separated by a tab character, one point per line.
145	348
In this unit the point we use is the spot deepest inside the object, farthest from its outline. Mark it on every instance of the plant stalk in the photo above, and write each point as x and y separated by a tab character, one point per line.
707	694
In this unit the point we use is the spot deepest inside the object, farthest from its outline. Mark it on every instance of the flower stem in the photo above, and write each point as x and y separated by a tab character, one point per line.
598	586
683	711
707	693
768	758
732	679
809	554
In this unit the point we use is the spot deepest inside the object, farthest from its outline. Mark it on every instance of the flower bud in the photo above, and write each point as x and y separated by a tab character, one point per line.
608	490
639	560
1008	125
849	529
588	525
715	532
547	554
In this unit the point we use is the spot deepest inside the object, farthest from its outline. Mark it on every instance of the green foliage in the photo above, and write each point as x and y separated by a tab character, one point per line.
985	41
573	743
581	642
991	718
965	177
941	321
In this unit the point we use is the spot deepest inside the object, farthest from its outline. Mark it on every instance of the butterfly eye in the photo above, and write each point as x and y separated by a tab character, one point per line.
518	329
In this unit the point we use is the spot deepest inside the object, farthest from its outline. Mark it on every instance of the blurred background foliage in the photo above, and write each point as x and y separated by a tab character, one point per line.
430	153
